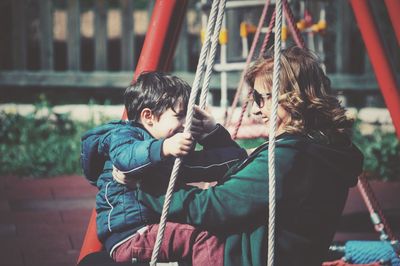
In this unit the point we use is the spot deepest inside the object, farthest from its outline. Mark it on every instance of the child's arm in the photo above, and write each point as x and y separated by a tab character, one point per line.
131	153
178	145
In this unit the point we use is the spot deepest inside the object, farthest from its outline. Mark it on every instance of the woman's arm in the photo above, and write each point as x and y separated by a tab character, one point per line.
244	194
208	133
211	164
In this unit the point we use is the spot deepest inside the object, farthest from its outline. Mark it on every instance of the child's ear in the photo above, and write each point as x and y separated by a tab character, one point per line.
146	116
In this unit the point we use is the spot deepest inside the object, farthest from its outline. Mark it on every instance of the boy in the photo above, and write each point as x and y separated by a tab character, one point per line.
144	150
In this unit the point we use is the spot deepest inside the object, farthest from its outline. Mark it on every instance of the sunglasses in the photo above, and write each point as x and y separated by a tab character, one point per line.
258	98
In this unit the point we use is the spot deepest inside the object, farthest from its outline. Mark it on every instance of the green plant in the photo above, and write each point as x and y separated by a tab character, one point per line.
381	153
44	144
40	144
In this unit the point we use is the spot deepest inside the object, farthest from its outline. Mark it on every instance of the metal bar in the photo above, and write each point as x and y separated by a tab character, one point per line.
73	35
224	66
100	36
150	57
245	4
384	73
118	80
46	34
393	8
342	43
181	62
127	35
90	242
19	49
174	30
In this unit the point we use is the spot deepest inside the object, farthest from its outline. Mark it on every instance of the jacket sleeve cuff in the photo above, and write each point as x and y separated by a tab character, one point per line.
219	137
155	150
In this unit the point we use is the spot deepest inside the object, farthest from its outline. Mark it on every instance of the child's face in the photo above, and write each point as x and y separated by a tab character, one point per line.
169	123
264	106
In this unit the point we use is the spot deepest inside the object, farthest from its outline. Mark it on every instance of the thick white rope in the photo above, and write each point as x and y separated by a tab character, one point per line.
189	117
211	55
272	130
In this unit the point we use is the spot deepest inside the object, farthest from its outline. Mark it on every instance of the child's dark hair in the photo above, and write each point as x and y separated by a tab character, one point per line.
157	91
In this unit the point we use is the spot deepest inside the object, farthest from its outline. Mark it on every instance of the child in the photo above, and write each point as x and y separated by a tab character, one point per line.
143	150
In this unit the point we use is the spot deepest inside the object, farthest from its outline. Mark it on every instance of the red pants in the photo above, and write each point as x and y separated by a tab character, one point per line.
181	242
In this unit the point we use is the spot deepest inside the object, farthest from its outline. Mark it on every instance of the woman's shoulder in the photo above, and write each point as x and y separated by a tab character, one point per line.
285	143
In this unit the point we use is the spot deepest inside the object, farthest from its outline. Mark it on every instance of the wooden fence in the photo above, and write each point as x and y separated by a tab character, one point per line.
111	62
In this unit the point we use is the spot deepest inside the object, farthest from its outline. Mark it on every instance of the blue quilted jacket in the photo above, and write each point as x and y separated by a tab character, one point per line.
131	149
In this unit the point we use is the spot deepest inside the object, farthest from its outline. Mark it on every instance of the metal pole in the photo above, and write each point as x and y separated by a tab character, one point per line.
160	42
393	8
224	74
383	71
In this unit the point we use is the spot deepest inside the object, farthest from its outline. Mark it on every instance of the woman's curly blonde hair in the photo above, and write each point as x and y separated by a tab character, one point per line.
305	92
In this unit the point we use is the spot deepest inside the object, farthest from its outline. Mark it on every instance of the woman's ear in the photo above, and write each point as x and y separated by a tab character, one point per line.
146	117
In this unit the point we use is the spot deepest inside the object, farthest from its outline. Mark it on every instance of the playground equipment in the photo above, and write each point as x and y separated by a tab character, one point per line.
157	53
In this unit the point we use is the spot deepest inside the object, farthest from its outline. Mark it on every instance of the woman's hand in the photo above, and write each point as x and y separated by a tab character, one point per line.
178	145
202	124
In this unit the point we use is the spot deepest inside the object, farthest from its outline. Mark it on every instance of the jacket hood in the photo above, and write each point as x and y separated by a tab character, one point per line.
338	155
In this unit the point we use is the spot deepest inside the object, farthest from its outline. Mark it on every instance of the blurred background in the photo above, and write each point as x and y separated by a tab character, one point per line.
64	65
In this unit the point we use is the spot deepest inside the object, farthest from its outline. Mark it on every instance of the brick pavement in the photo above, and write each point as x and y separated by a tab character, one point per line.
43	221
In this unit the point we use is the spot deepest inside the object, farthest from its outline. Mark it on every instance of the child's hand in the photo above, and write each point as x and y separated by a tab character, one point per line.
202	123
178	145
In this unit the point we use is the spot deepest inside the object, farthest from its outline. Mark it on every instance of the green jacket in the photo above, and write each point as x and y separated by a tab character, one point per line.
313	175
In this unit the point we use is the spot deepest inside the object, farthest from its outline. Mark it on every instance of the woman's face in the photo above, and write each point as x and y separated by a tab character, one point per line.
262	106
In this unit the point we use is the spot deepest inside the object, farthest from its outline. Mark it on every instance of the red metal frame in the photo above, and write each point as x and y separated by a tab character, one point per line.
383	71
157	53
161	38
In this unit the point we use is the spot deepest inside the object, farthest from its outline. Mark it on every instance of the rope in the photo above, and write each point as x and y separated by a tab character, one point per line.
365	252
248	60
376	214
299	42
211	56
250	91
189	117
272	130
269	31
292	25
374	208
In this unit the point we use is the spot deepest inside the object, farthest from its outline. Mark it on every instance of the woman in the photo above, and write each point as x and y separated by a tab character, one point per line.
316	163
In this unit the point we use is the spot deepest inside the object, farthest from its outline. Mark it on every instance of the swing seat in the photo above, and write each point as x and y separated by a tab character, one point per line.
93	253
101	258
